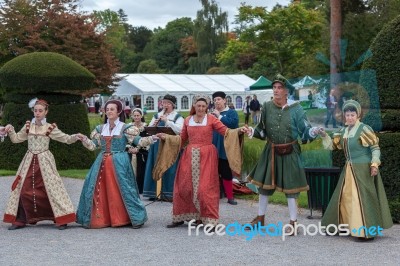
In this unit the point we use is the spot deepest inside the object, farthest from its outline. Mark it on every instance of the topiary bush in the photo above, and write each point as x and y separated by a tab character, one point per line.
44	72
58	80
68	119
385	62
382	80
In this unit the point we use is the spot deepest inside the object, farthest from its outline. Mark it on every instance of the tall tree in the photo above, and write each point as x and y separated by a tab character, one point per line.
139	37
166	44
56	26
115	30
336	33
210	35
283	37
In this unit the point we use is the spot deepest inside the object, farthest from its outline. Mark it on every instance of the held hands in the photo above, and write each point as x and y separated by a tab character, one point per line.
159	136
374	171
246	129
81	137
133	150
319	131
9	128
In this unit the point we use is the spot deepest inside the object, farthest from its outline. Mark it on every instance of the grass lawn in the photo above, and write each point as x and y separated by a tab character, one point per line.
313	155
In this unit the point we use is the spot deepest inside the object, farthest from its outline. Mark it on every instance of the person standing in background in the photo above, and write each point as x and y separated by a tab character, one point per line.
310	99
255	108
246	109
168	117
230	119
331	104
139	154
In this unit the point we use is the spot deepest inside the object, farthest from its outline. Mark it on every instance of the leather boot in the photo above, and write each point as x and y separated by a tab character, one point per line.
288	230
259	218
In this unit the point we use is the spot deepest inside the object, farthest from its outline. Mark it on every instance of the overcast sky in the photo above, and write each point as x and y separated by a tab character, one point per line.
154	13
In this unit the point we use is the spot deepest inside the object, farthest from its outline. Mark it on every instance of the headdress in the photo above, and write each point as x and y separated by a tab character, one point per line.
171	98
137	110
282	80
35	101
354	104
120	105
203	97
219	94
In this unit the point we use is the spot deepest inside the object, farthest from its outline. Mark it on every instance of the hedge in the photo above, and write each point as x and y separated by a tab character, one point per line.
70	118
44	72
385	61
54	98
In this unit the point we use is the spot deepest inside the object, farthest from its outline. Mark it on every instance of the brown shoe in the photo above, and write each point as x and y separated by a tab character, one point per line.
173	225
258	219
289	230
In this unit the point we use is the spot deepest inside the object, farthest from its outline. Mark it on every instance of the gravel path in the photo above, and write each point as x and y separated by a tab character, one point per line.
156	245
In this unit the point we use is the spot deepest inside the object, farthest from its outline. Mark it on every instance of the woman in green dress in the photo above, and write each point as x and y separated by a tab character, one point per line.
359	199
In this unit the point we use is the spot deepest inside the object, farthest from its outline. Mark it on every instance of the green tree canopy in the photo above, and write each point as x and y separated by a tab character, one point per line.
56	26
283	37
166	44
210	35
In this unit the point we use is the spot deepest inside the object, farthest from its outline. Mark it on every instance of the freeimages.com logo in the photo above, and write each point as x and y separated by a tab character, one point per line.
280	230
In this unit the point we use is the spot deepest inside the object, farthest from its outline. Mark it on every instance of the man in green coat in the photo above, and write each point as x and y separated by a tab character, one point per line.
283	122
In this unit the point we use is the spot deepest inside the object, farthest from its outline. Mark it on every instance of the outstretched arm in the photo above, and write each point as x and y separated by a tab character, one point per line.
19	137
57	135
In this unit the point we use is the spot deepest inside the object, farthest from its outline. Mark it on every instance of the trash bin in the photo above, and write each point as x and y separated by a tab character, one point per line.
322	183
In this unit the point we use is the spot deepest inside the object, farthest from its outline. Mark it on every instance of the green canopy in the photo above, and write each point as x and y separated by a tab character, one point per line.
261	84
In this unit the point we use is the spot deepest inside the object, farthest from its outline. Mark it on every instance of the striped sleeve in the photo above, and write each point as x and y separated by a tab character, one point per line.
369	139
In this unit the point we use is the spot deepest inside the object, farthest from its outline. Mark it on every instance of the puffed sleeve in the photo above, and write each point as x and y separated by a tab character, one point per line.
19	137
332	143
94	141
369	139
327	142
132	134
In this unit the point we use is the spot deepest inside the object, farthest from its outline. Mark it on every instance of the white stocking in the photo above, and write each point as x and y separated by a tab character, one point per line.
262	204
292	208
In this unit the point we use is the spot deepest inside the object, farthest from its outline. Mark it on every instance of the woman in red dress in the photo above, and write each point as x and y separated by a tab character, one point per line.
196	188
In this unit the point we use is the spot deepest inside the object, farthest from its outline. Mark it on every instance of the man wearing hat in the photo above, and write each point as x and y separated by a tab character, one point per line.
229	118
283	122
167	117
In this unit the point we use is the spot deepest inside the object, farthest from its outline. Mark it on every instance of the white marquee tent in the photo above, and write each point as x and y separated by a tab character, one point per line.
149	89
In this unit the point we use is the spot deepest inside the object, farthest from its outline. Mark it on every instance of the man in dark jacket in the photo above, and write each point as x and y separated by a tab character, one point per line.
255	108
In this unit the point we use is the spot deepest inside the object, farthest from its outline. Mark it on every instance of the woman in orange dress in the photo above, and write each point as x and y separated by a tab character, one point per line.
110	195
